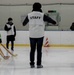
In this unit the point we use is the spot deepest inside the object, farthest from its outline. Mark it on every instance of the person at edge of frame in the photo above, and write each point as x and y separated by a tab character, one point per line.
11	33
36	21
72	27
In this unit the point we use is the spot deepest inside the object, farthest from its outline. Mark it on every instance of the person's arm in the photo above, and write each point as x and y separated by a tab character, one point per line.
14	31
49	20
6	28
72	27
25	21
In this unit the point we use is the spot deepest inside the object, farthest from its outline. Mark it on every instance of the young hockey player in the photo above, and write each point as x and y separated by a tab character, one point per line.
11	33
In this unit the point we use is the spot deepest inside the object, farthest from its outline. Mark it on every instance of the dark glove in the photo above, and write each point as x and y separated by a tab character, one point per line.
0	40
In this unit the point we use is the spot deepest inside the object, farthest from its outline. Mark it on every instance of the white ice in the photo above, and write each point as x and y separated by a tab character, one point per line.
55	61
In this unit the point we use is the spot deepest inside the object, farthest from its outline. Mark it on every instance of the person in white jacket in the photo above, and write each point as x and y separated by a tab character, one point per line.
36	21
11	33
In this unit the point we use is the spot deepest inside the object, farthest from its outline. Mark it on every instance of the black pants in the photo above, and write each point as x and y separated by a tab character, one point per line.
36	42
10	39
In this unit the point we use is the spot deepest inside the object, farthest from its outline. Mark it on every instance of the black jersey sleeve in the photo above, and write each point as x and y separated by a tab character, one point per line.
48	19
25	21
6	28
14	31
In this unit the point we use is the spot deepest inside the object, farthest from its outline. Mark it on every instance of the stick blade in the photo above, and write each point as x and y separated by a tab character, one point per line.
15	55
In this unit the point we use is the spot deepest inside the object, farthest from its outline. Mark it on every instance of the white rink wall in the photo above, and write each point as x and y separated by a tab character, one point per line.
32	1
54	37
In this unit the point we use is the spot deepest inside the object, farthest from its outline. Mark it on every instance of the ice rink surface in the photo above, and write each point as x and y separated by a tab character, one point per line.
56	61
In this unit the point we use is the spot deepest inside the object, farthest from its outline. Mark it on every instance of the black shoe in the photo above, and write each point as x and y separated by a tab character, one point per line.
32	66
39	66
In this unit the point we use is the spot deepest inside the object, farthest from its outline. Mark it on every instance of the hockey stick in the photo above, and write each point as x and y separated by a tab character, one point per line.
0	59
2	54
8	50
